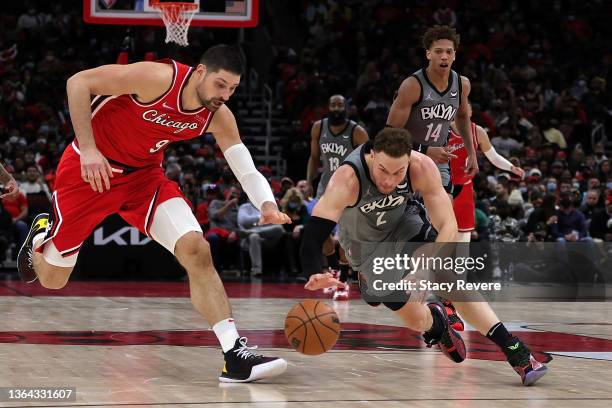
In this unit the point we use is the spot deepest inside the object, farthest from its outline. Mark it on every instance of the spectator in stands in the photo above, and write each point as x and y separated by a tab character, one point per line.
293	205
600	153
505	144
551	133
285	184
570	224
173	171
591	205
223	233
34	183
542	217
306	189
601	223
17	207
6	231
257	237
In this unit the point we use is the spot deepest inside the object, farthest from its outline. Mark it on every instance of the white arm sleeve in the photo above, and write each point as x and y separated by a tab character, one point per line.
497	160
253	182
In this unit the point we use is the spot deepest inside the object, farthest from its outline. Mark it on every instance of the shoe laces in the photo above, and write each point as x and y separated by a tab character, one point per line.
519	357
244	351
30	257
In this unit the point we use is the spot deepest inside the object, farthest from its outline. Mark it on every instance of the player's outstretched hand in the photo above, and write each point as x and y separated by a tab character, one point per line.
440	154
10	189
518	171
271	215
471	167
322	281
95	169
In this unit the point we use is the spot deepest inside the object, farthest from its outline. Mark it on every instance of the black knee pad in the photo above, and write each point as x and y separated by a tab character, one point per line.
400	298
395	306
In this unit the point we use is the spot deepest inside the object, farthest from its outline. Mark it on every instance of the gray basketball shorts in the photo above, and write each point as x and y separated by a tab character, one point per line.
444	169
415	227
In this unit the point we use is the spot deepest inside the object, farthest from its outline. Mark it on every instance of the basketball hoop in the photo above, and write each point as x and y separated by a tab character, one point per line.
177	17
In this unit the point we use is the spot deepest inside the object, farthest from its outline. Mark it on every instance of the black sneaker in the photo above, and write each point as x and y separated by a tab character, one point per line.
24	258
243	366
520	358
449	342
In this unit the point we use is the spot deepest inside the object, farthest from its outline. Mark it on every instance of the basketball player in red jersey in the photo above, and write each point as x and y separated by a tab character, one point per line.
463	204
114	166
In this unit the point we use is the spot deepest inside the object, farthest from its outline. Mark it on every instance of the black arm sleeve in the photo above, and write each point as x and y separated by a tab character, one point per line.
313	236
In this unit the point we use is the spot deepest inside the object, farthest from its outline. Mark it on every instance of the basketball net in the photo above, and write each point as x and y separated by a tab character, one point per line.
176	17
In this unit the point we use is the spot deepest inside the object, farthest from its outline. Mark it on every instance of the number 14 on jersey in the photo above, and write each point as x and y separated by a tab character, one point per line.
432	133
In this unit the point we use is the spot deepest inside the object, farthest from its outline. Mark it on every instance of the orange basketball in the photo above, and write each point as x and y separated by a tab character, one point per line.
312	327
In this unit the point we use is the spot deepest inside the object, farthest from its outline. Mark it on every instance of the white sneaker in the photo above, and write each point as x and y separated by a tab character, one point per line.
342	294
336	274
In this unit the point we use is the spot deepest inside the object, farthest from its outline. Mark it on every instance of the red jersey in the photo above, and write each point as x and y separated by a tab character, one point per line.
136	134
14	206
456	147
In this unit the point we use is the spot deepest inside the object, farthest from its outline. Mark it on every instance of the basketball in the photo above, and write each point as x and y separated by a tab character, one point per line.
312	327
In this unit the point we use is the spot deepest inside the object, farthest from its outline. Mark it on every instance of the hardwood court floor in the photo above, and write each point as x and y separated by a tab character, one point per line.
126	345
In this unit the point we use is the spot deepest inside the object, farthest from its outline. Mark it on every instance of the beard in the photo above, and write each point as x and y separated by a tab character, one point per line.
337	118
212	104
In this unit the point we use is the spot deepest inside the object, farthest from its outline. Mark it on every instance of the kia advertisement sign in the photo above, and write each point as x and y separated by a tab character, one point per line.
117	251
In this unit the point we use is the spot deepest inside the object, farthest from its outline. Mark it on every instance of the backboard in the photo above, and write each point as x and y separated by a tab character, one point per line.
212	13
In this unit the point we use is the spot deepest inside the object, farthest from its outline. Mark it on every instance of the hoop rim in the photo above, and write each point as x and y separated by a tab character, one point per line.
183	5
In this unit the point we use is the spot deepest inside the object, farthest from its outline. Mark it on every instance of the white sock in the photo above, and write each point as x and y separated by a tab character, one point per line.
226	332
38	239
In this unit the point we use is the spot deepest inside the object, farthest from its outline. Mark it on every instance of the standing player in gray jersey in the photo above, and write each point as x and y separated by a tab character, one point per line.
332	140
372	194
431	98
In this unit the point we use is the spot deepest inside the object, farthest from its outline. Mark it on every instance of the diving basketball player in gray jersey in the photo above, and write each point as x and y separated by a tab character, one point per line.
372	195
431	98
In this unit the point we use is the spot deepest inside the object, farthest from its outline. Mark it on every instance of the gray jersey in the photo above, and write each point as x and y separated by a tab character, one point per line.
430	117
334	148
378	219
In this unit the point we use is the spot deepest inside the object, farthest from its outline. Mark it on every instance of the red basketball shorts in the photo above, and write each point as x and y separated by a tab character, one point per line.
463	205
77	209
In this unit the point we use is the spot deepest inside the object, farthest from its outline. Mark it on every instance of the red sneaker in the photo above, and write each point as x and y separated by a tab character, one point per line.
450	342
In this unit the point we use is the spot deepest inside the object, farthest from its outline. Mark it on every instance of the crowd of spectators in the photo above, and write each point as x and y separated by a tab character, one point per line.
539	73
539	86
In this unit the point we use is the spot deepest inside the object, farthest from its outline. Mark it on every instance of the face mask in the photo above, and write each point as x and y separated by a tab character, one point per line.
292	206
565	203
609	185
551	186
576	186
523	190
337	117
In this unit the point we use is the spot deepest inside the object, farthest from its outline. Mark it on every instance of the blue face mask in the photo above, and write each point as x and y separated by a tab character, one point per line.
609	185
551	186
523	190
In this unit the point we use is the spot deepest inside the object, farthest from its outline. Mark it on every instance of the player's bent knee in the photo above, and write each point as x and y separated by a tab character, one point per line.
192	247
173	223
